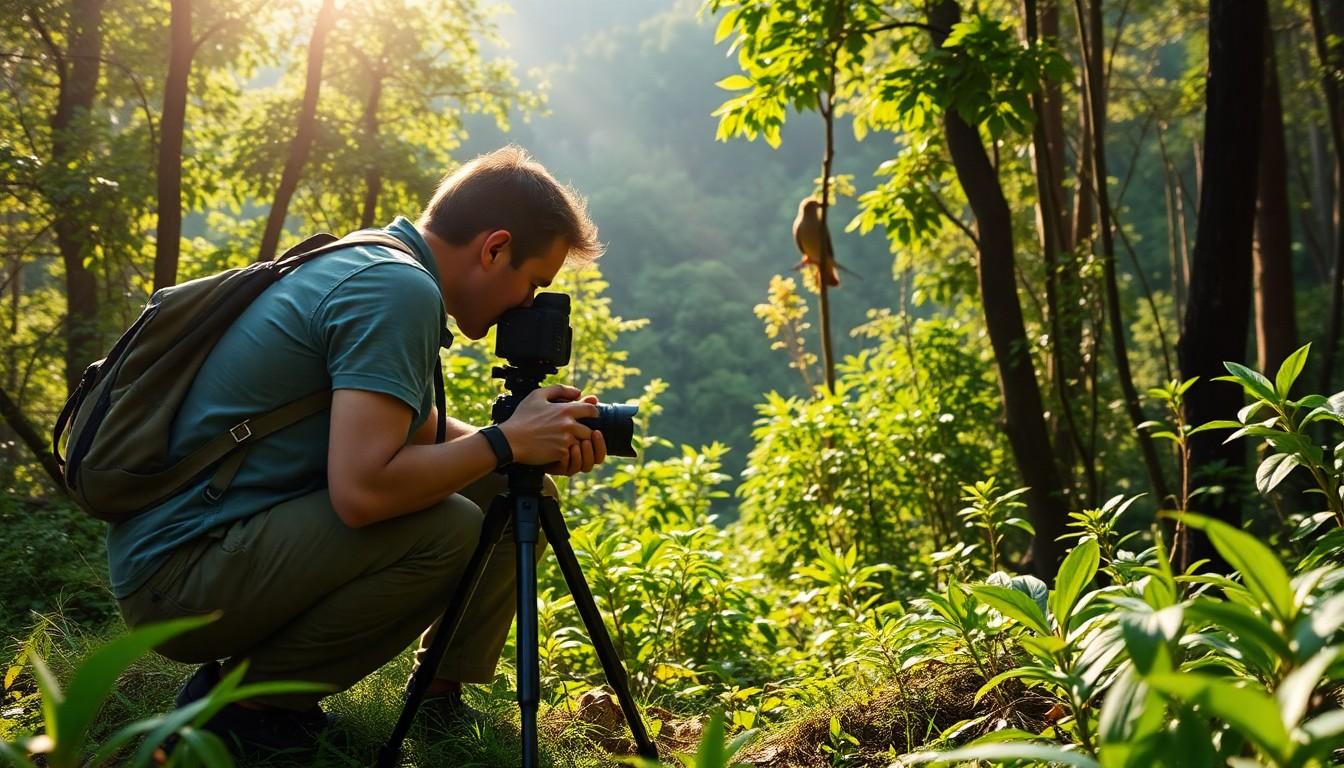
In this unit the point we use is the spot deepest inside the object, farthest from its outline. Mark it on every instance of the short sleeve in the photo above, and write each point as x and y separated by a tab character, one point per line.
380	330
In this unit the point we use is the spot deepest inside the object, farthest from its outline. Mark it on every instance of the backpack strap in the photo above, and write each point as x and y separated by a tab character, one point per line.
233	445
235	442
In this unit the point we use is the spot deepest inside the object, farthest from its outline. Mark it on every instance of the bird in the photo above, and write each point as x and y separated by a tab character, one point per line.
815	242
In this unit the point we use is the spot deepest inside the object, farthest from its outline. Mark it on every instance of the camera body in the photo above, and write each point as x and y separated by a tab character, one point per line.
536	335
536	341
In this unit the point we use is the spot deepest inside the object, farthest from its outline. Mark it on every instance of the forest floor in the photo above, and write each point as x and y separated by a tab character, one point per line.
53	590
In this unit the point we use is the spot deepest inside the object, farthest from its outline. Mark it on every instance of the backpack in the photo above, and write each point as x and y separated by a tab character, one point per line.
120	415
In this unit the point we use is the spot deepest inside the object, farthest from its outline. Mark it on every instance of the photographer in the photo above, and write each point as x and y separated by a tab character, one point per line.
340	537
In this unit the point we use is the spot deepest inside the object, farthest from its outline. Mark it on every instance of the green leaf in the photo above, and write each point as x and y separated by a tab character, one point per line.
1251	712
207	747
97	676
1256	637
1261	570
734	83
1288	371
1013	604
1075	573
1007	751
1253	382
1216	424
1148	636
1294	693
1273	470
711	752
1130	715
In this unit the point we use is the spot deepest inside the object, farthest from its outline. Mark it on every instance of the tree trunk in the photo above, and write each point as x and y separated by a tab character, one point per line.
1094	77
1218	310
168	231
1047	156
80	69
373	180
1275	314
1025	421
1332	64
303	133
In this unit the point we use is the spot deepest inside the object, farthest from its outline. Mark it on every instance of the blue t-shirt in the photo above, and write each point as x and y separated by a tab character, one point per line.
365	317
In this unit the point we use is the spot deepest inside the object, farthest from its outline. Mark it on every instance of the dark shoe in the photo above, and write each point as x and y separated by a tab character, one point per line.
256	731
198	685
250	731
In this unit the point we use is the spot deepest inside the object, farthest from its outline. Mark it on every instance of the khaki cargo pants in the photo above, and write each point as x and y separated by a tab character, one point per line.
304	597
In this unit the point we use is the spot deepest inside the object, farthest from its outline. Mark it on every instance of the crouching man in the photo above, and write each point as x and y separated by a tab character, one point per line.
341	538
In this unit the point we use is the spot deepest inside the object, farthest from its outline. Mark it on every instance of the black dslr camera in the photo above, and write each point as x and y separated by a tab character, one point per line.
536	342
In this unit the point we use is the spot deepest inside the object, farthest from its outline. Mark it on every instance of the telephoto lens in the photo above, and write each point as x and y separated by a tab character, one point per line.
616	422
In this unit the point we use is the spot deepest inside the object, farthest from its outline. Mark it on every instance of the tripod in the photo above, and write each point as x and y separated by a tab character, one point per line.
526	508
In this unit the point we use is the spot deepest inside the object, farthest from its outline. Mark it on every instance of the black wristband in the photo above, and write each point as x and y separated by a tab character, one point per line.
499	444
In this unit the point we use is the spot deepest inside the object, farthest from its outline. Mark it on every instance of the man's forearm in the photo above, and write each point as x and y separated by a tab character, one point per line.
421	475
455	428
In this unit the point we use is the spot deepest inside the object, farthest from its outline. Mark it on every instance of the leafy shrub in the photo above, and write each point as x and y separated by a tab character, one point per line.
875	466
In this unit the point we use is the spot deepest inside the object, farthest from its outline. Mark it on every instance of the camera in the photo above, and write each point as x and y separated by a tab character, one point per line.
536	342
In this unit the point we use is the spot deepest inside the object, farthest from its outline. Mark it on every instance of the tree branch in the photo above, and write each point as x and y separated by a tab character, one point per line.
10	412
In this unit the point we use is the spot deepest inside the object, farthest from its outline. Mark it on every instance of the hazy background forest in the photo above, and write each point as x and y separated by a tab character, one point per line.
979	528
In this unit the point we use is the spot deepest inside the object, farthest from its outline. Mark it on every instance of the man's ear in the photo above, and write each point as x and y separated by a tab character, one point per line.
495	249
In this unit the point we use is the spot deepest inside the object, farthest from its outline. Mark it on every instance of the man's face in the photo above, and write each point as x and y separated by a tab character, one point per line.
502	286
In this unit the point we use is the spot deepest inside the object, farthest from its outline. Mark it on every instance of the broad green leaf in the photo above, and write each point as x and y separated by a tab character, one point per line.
1289	370
1324	733
1020	750
1294	693
97	675
1148	636
1255	635
1253	382
1009	674
1075	573
1315	627
1261	570
207	747
1251	712
1130	715
711	752
1014	605
1273	470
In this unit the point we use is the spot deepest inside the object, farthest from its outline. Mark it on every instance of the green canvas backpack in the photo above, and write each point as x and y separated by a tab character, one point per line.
121	414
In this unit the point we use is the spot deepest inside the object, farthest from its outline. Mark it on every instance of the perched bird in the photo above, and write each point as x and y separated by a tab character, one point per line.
815	242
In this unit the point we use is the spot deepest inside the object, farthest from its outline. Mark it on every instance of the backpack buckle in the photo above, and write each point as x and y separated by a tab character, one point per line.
241	432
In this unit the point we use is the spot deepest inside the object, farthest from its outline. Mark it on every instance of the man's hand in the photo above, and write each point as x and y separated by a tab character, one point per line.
544	429
583	456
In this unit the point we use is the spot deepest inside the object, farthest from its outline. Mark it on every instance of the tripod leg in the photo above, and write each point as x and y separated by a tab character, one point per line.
558	537
529	678
492	531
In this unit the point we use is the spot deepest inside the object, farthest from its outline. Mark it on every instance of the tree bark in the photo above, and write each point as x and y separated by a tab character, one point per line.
303	133
1052	226
1218	310
13	416
168	231
1025	421
373	180
1275	314
79	70
1332	65
1094	77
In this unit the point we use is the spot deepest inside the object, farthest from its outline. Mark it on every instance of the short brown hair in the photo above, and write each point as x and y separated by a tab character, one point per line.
507	189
